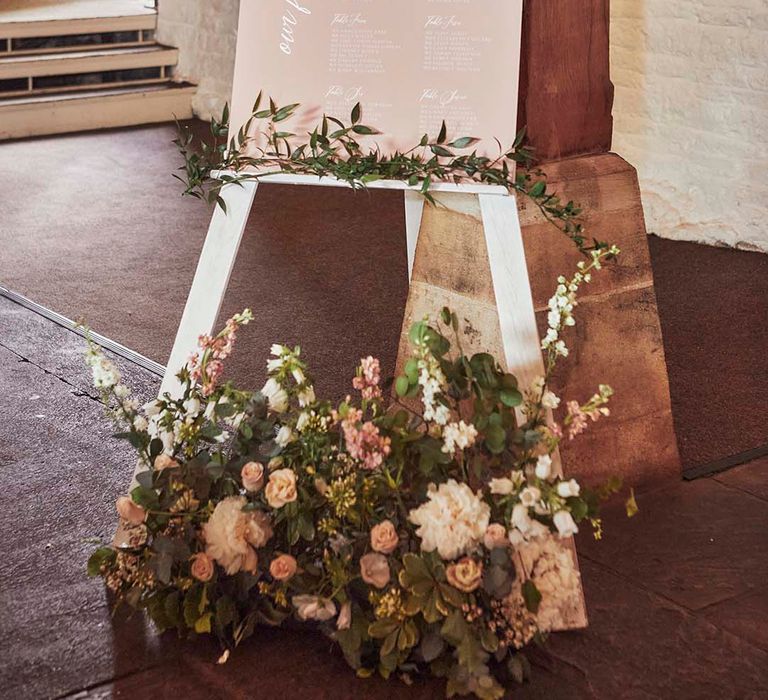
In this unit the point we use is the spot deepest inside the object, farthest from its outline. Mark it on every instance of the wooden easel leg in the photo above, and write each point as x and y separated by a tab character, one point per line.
509	272
414	206
519	332
211	277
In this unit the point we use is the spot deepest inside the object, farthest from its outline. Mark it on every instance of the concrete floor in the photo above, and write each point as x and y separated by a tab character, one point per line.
677	596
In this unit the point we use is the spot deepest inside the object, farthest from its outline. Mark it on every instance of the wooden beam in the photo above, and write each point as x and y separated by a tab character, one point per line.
566	94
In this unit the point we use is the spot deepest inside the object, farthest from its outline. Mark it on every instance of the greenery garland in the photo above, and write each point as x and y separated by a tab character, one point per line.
332	150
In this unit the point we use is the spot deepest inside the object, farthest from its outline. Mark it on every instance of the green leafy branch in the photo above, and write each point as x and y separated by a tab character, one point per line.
333	150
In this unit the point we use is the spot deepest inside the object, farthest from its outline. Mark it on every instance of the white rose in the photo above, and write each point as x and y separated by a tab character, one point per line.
312	607
544	467
565	524
520	518
567	489
284	436
529	496
501	487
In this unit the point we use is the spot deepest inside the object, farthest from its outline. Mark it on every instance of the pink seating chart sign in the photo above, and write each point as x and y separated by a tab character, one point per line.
410	63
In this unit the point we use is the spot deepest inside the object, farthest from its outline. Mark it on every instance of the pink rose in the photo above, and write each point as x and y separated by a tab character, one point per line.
252	475
283	567
202	567
129	511
384	537
374	569
164	461
495	536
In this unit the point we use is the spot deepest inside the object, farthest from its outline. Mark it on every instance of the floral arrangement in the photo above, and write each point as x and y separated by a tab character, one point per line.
427	536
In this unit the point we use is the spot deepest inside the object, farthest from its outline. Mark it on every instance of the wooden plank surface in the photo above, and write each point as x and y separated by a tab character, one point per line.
566	94
452	268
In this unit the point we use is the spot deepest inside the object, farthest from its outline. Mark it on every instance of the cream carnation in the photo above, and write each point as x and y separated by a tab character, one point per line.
452	521
231	535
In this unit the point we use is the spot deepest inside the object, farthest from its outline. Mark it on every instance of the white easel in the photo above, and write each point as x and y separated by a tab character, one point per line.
506	258
503	239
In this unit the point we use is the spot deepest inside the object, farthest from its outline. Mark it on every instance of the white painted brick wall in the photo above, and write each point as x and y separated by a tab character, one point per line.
691	110
691	113
205	32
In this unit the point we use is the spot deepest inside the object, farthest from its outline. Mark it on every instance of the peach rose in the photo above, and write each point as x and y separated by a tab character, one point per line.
252	475
283	567
495	536
164	461
384	537
281	488
130	511
374	569
202	567
465	574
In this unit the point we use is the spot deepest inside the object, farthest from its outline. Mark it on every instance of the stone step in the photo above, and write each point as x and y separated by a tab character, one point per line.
62	112
91	61
20	19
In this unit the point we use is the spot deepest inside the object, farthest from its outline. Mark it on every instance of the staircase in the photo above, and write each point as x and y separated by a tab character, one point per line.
72	65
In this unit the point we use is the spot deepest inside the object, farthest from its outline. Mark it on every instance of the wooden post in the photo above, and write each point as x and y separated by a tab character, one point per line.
566	94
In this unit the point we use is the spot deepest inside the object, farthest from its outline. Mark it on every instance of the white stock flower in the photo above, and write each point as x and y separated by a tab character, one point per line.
277	397
284	436
302	421
501	487
121	391
565	524
140	423
105	373
452	520
544	467
550	400
458	436
192	406
231	535
306	396
152	408
566	489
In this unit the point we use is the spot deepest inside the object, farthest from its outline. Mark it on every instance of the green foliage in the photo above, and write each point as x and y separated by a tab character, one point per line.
336	152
